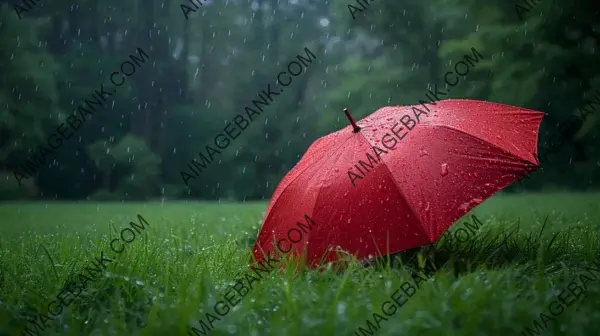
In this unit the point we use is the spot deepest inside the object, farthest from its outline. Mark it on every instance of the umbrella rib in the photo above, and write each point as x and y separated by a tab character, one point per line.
319	194
297	176
400	191
407	201
325	175
300	173
488	142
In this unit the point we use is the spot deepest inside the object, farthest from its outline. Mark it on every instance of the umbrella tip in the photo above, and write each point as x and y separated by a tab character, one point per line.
352	122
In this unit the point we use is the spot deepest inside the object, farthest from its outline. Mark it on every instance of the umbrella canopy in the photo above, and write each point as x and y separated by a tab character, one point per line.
397	179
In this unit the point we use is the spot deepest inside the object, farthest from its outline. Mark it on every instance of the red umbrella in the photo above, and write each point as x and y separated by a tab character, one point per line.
397	179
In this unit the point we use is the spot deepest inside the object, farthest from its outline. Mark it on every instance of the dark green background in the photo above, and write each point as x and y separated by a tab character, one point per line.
203	71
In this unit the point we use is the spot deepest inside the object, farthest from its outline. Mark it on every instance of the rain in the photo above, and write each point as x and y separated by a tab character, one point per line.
291	167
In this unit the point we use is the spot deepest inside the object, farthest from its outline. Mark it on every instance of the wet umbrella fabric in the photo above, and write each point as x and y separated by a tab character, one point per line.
457	154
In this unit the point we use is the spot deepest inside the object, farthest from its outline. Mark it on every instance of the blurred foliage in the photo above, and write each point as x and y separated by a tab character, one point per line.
204	70
10	189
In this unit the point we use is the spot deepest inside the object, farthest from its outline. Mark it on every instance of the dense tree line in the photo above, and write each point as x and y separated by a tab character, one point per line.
204	67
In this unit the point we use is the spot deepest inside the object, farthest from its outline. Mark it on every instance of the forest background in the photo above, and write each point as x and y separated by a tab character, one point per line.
206	67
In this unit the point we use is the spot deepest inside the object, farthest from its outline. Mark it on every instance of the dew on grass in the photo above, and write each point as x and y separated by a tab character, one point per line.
341	308
467	294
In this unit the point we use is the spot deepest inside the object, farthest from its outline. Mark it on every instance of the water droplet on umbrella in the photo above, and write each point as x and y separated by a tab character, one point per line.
470	204
444	171
349	219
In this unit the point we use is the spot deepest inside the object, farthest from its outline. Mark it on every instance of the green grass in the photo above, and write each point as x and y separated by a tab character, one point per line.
177	269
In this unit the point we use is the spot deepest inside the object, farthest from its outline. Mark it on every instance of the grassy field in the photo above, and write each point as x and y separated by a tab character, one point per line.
176	269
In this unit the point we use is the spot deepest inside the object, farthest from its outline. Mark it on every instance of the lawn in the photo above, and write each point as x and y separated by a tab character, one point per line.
176	269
